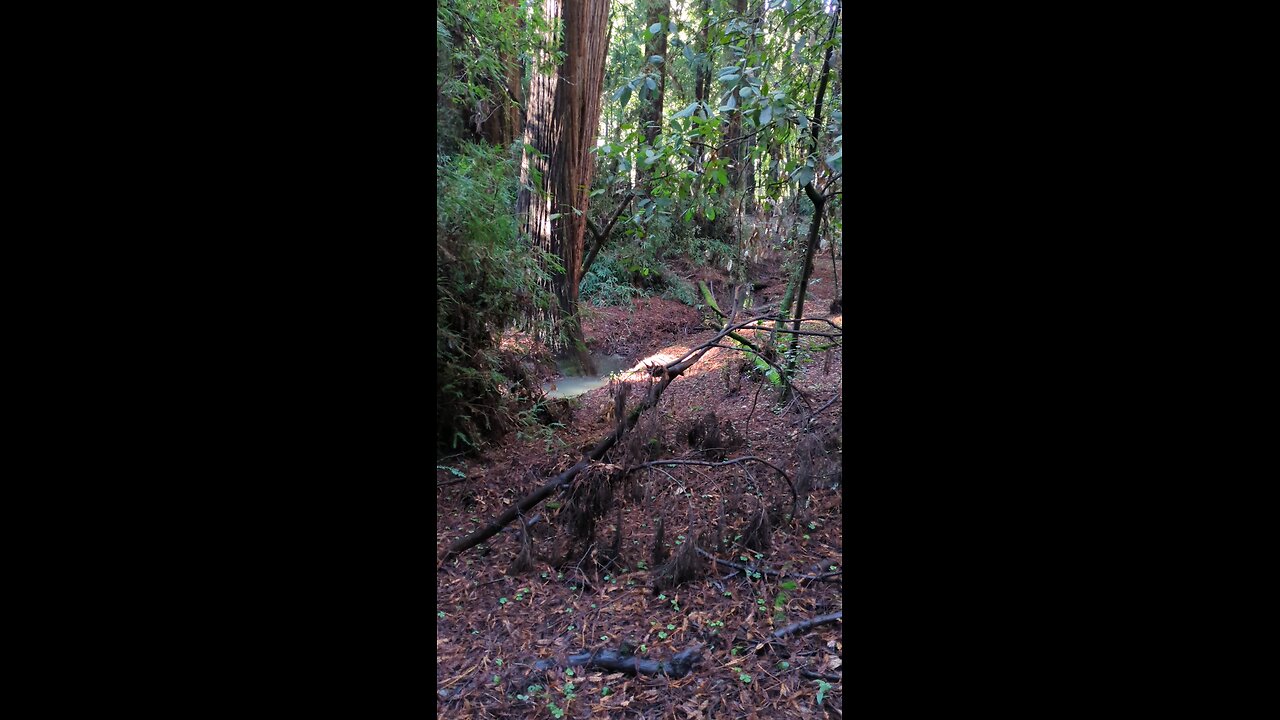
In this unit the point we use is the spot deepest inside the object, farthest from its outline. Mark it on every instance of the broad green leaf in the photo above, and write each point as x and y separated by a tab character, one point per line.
731	103
711	212
731	78
766	115
655	28
626	95
655	59
687	111
688	54
554	216
671	27
649	83
688	215
804	175
746	91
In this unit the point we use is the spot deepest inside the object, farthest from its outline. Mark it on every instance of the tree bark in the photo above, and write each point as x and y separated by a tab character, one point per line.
562	118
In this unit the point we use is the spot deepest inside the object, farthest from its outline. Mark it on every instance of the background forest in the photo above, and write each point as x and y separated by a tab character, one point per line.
656	181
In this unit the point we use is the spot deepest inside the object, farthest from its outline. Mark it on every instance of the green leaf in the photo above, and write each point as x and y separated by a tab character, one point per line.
729	79
711	212
554	216
688	54
687	111
655	28
655	59
671	26
823	687
766	115
688	215
788	585
649	83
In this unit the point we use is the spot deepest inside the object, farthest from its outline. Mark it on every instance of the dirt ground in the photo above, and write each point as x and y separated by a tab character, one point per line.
494	628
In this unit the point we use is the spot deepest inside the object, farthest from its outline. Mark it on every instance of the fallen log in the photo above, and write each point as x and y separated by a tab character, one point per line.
669	373
808	624
678	666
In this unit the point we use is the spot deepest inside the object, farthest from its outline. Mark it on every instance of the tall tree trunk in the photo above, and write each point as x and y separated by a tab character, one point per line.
562	118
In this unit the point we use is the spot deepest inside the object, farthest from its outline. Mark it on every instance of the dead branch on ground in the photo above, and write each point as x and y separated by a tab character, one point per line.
808	624
795	498
825	577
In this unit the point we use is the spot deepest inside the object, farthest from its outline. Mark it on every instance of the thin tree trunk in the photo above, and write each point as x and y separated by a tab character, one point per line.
806	269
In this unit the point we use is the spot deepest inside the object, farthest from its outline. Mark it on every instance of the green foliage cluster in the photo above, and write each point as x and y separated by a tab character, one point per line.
487	280
608	282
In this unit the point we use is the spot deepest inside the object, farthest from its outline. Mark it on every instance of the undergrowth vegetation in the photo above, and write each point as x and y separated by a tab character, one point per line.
485	279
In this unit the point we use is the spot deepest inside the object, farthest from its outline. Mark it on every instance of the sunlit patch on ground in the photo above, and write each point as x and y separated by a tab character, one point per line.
666	357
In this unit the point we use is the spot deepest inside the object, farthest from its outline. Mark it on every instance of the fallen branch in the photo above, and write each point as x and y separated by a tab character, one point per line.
820	676
795	498
808	624
827	405
826	577
668	373
678	666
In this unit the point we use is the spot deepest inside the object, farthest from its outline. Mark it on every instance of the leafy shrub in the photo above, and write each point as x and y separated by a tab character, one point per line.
607	283
486	280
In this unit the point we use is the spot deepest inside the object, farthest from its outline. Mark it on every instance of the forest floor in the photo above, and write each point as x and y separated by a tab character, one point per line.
502	641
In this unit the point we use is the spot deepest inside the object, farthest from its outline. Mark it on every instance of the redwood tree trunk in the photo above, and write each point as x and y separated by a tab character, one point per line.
560	126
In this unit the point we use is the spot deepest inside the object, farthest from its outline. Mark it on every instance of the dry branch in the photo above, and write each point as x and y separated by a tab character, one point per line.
795	498
807	624
825	577
669	373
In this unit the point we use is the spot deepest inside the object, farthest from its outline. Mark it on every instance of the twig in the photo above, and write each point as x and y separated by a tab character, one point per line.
795	498
808	624
827	405
764	571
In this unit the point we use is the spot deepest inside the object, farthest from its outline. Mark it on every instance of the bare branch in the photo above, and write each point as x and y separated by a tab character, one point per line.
795	498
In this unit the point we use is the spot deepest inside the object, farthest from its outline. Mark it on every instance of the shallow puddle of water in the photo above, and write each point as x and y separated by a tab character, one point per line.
570	385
